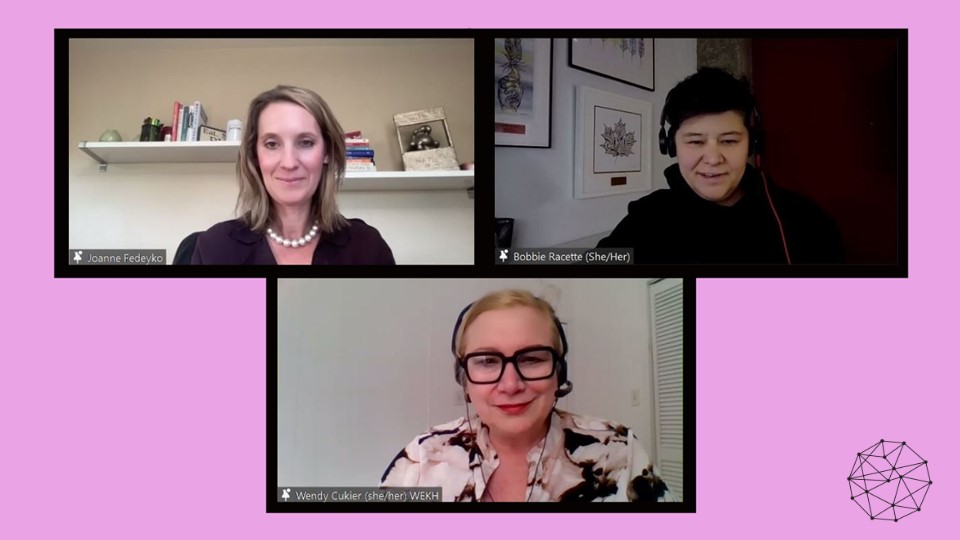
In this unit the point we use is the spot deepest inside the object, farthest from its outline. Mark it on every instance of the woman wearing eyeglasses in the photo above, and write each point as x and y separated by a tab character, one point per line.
510	354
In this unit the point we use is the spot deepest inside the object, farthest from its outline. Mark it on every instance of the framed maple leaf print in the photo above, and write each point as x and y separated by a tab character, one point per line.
628	60
612	153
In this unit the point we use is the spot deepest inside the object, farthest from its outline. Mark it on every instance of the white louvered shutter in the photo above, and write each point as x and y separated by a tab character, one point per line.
666	316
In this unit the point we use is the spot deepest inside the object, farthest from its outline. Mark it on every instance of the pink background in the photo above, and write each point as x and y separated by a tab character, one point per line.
135	408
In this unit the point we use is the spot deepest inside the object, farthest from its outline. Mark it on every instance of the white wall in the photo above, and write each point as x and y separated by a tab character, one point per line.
118	83
365	365
535	186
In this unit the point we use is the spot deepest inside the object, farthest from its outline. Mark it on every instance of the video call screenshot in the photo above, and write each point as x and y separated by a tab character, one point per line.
486	376
679	154
550	201
264	163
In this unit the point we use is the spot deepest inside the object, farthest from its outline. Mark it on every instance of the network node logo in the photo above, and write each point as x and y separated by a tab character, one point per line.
889	481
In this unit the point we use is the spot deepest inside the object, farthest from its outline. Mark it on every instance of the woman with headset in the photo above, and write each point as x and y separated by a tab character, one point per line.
719	208
510	359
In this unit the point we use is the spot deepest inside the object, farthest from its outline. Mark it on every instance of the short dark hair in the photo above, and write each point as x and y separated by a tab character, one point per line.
708	91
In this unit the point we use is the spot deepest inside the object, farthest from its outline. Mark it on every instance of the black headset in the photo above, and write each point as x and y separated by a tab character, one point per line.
668	145
565	386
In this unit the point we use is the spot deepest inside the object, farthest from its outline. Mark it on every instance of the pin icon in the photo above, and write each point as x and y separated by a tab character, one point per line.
286	494
503	255
76	256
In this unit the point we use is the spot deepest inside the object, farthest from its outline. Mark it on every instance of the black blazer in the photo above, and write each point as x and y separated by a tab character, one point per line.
232	242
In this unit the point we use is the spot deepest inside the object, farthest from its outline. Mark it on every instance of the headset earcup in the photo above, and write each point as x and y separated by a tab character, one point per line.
664	142
457	370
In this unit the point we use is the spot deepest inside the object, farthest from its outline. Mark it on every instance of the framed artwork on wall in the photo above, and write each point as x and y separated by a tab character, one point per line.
523	81
612	153
628	60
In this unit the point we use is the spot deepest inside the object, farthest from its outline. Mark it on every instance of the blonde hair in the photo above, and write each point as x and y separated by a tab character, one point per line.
504	299
253	202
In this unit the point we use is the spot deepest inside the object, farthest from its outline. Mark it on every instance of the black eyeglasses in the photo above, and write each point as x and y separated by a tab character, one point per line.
532	364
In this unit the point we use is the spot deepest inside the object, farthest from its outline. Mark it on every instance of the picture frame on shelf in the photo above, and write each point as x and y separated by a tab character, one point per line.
613	151
626	60
211	134
523	91
422	152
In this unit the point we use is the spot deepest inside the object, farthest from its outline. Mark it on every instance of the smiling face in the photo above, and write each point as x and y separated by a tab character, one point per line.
712	154
512	408
290	153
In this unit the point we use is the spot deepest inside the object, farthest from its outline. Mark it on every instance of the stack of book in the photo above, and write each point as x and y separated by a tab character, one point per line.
359	153
187	120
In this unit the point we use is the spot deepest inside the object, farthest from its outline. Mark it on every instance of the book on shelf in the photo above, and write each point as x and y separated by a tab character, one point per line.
191	122
184	120
367	167
175	124
355	138
198	117
359	153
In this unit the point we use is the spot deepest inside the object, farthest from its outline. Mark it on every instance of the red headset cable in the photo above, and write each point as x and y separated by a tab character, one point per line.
766	190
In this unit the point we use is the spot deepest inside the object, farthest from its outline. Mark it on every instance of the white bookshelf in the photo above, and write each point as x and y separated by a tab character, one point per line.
106	153
408	181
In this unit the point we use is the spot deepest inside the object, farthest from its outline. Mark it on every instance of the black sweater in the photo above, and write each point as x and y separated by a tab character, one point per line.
677	226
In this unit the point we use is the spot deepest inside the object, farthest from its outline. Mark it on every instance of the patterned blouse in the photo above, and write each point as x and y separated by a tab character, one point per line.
585	460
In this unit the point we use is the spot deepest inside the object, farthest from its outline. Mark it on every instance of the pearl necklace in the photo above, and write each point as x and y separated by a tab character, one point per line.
296	242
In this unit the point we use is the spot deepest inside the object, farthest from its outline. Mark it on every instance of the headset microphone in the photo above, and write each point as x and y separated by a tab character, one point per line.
564	389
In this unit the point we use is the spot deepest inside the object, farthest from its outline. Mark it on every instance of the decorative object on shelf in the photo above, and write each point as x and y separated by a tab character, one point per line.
613	149
208	133
150	130
466	166
110	135
524	75
442	158
421	140
234	129
628	60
